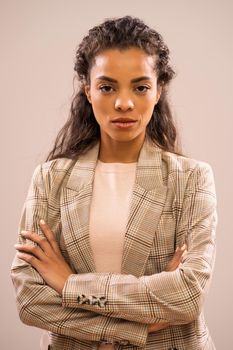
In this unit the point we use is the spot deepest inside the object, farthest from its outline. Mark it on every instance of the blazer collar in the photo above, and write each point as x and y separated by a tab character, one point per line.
148	169
148	199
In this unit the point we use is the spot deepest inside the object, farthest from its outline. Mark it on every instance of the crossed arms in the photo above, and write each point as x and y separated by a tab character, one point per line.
127	298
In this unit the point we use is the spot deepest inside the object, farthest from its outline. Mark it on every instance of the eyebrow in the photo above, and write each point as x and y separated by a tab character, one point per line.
135	80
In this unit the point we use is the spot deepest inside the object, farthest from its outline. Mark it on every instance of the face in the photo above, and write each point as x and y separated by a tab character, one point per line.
123	87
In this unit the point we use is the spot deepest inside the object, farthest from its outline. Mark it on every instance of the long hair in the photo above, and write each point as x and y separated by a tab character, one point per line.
81	131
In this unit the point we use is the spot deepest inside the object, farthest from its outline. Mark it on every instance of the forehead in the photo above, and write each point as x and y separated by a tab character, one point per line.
125	62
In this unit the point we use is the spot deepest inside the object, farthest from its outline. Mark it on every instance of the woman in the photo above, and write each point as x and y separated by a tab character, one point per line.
126	252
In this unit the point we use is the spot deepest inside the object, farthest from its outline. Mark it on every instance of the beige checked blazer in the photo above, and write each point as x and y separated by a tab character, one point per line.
173	202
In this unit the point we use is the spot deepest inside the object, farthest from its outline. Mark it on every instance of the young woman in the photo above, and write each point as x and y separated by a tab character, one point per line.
125	254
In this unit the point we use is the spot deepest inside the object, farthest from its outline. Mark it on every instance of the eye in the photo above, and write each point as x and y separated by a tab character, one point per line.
143	88
105	88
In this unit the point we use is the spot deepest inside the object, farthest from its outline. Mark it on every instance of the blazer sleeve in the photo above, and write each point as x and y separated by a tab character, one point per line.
176	297
41	306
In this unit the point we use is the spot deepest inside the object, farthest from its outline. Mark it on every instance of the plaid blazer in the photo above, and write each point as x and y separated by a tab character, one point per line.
173	202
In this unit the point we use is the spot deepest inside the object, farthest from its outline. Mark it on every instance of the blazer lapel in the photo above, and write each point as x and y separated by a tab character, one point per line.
148	198
75	206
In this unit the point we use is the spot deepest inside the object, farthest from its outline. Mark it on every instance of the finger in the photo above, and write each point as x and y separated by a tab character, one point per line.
184	255
182	248
30	249
50	236
179	251
30	259
41	241
175	261
178	256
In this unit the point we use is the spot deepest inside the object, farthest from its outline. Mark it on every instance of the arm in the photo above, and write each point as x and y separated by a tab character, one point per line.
175	296
41	306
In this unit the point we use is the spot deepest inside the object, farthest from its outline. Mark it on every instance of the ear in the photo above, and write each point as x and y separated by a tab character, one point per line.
87	92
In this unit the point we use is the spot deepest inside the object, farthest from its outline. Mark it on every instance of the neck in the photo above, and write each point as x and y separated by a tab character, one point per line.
112	151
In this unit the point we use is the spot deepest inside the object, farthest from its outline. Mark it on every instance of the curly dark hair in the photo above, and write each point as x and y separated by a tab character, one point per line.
81	131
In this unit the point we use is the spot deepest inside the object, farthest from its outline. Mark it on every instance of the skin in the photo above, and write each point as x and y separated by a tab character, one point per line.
45	256
123	98
110	100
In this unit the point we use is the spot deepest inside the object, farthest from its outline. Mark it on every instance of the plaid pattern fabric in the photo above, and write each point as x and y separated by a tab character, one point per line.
173	202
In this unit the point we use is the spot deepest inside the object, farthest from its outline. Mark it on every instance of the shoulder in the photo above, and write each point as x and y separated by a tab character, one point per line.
53	173
187	173
55	166
182	164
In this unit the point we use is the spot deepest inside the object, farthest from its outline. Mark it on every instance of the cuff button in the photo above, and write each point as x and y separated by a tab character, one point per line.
124	342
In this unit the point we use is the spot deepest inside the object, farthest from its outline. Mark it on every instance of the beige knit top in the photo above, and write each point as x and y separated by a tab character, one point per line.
113	184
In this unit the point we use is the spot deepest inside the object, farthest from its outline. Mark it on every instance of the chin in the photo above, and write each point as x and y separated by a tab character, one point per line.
120	136
124	138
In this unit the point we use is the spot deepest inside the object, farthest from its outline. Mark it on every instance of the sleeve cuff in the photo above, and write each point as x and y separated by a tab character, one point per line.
86	288
127	332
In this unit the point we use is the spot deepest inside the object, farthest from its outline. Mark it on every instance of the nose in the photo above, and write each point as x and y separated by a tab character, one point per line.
124	102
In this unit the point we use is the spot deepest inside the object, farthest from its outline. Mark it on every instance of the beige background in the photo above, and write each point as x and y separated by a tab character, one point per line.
38	41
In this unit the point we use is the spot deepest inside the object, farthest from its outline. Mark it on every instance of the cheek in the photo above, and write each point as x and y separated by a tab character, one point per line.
100	110
146	107
100	104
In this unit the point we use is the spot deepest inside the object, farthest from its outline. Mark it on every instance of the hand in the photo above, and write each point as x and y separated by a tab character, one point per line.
45	257
172	265
177	258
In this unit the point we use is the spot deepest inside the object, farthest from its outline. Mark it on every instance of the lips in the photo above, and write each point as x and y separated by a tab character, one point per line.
124	123
123	120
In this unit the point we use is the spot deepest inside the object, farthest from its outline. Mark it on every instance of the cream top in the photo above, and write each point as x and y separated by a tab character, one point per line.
112	190
113	183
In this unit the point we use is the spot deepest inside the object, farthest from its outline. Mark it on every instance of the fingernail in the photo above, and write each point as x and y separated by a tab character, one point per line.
183	247
42	221
23	232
